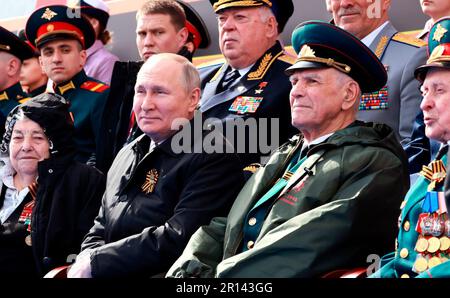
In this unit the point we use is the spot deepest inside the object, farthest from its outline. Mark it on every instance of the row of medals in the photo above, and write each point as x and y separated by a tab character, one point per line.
433	243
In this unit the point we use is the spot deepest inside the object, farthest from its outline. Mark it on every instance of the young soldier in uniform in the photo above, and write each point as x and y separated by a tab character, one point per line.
62	39
32	78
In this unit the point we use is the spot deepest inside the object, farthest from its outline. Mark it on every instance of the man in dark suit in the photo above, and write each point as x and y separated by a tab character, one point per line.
251	84
158	196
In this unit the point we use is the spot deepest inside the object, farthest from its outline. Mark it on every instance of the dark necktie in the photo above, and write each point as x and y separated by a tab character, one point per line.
230	77
442	151
303	152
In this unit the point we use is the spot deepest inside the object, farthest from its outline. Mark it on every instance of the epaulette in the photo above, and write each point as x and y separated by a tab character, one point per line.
94	86
408	39
207	61
288	58
252	168
23	100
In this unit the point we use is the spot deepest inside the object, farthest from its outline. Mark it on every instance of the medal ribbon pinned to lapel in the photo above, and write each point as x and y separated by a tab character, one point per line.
25	216
150	181
435	173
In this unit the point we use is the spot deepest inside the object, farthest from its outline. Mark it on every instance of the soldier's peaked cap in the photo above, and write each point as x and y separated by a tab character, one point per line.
282	9
322	45
196	26
12	44
56	22
438	49
93	8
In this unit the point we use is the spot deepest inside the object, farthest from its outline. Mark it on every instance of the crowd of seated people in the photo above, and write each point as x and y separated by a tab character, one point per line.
263	165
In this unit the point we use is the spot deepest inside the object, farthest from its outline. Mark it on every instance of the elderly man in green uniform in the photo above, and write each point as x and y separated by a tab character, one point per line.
325	199
62	39
12	52
423	243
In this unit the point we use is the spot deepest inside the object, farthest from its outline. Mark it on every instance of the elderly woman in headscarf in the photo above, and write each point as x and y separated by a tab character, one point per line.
48	201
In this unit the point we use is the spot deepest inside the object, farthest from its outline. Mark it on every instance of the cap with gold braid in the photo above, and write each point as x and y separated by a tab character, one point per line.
12	44
322	45
438	48
57	22
282	9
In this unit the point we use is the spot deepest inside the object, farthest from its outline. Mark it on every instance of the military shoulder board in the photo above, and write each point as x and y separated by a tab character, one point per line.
287	58
408	39
94	86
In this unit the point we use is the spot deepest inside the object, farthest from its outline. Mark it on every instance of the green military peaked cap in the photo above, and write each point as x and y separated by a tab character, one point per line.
282	9
320	44
57	22
438	48
12	44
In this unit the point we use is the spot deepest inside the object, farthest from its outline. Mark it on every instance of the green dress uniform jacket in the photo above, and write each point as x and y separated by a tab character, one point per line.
397	105
401	262
9	98
337	208
87	98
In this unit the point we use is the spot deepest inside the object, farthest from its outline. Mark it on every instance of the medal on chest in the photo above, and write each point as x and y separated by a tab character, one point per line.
433	224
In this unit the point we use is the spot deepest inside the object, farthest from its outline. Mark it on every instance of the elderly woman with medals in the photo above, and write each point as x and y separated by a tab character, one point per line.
47	200
423	242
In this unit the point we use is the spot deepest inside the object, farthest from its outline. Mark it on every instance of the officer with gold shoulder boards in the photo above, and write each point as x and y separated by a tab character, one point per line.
251	84
12	52
397	103
62	38
423	243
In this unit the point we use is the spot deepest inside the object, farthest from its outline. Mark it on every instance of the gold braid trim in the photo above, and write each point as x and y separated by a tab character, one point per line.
381	46
328	61
263	67
244	3
5	47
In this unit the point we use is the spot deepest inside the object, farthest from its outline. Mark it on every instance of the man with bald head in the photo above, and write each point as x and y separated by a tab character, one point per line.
156	196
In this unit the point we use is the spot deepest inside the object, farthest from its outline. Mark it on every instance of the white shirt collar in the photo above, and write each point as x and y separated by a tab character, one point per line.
318	140
243	71
372	35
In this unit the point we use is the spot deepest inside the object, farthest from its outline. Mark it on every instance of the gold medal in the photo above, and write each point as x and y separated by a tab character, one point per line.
150	181
421	264
434	261
421	245
28	240
445	243
433	245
